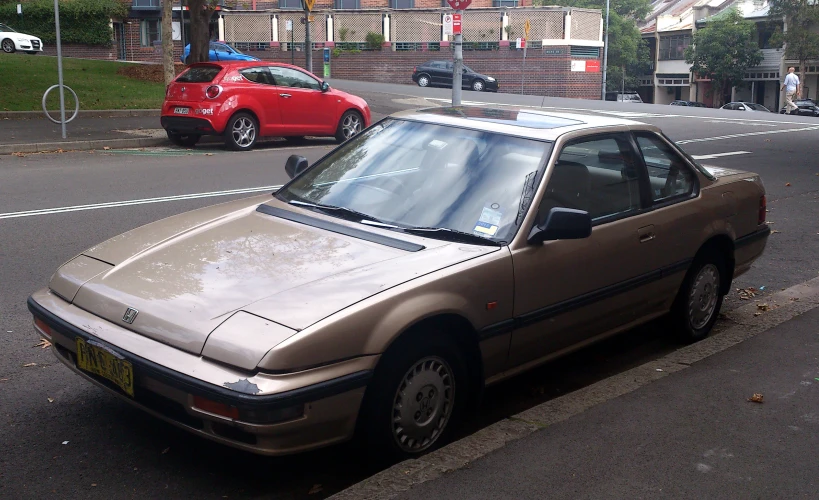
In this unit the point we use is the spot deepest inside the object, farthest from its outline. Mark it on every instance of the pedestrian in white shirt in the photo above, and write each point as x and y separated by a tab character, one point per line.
791	86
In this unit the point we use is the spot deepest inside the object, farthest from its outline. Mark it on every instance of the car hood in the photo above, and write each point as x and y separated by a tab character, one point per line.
188	274
23	36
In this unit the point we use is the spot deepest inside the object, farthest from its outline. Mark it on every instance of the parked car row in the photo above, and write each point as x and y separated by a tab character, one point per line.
12	40
807	107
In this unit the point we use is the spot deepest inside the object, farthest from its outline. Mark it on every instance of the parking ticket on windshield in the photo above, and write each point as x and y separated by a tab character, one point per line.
488	223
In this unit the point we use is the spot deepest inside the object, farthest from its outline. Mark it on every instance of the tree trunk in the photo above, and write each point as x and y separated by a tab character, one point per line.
167	41
801	88
200	12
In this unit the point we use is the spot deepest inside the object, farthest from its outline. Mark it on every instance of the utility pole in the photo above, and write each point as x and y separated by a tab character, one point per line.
308	44
605	52
457	70
59	66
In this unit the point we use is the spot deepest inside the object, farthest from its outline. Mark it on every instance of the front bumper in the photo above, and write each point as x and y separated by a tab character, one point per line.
327	398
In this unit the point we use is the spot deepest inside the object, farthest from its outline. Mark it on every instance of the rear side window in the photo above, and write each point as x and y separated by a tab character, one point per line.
667	171
199	74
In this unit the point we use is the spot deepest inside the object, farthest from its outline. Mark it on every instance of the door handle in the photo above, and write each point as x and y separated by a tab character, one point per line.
286	96
646	233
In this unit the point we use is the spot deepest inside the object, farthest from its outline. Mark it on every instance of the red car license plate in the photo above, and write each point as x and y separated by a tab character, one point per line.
181	111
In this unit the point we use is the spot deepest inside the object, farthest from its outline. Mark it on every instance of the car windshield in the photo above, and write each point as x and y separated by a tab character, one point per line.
7	28
405	175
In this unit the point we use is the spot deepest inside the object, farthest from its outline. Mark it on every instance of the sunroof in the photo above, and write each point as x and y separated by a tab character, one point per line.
518	118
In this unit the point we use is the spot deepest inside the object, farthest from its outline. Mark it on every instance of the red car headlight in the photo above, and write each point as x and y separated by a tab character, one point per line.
213	91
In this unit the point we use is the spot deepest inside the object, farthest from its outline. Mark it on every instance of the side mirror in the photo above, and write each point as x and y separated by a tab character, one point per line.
562	224
325	86
295	165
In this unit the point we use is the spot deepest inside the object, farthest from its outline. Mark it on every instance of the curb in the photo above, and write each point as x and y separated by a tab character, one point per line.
45	147
84	113
748	321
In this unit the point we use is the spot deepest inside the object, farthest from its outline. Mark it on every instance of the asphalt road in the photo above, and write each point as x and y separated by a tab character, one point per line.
114	451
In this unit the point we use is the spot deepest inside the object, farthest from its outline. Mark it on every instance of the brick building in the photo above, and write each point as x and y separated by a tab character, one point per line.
560	45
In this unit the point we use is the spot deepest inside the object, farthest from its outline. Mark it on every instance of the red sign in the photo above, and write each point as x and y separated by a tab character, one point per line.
456	24
459	4
593	66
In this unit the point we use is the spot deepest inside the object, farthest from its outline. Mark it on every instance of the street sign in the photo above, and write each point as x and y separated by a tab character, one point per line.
593	66
578	65
447	24
456	4
520	43
456	24
526	27
308	4
288	25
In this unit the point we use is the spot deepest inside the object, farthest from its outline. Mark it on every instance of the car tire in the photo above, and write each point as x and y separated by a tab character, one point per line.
185	141
423	80
478	86
416	397
242	132
350	124
699	300
8	46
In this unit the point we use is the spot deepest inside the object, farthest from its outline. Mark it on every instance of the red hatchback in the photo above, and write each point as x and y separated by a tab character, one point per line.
243	101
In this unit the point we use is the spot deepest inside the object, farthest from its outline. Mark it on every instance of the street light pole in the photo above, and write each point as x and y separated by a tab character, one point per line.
457	70
605	52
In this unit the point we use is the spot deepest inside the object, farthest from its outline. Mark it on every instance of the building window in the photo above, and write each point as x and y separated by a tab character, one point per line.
504	3
145	4
588	52
347	4
673	47
402	4
290	4
149	32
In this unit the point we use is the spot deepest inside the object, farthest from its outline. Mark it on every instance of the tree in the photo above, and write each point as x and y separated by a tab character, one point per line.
723	50
167	41
799	37
200	12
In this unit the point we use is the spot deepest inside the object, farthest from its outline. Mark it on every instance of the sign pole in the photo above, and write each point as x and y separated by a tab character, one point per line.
526	28
457	71
60	65
292	50
605	52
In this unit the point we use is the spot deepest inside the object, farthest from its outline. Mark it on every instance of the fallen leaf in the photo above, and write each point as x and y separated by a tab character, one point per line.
774	231
166	450
106	148
756	398
757	314
762	307
794	299
787	184
65	442
208	154
315	489
50	400
29	364
93	484
4	380
45	344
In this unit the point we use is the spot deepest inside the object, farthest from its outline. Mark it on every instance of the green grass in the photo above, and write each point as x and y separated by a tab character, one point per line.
24	79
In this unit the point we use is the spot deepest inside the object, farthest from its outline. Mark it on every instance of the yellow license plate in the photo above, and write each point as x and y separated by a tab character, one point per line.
100	361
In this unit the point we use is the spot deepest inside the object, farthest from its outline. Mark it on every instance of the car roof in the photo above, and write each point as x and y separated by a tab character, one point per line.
530	123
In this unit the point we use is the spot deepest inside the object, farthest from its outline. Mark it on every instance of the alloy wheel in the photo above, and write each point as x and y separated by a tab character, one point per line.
423	404
8	46
244	132
351	125
702	301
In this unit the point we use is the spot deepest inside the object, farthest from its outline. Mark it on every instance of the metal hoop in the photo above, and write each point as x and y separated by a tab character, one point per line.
76	104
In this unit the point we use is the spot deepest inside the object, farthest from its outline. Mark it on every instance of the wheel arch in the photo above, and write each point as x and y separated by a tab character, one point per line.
722	245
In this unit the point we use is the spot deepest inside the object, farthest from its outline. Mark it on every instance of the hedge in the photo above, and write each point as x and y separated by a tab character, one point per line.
81	21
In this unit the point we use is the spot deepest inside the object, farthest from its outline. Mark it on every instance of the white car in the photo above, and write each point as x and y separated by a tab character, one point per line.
11	41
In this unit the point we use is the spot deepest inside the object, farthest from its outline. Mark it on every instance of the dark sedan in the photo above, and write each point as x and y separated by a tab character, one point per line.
807	107
439	74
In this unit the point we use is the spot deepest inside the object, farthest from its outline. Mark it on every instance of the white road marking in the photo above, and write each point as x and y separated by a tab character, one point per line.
718	155
748	134
128	203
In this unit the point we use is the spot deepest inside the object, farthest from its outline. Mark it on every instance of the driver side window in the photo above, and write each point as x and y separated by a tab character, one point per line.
668	173
287	77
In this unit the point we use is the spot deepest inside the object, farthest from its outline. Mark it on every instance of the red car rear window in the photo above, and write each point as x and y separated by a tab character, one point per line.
199	74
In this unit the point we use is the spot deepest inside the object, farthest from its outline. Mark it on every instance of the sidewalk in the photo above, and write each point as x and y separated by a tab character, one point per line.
85	132
689	433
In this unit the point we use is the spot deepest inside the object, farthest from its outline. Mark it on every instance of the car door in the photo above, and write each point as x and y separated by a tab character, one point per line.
446	74
304	108
437	72
260	86
570	291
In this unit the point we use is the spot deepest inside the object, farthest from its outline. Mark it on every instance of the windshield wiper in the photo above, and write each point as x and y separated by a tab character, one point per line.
351	214
446	233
